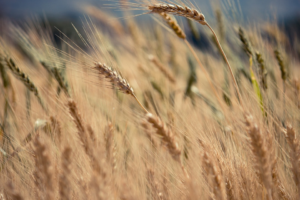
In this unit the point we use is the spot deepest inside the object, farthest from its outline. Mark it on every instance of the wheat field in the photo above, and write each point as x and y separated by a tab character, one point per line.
130	110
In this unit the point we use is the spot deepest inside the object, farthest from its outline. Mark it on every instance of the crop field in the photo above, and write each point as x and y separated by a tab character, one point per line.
182	105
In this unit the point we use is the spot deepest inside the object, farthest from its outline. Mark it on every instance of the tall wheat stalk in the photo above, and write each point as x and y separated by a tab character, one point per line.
25	80
169	139
180	33
198	17
117	80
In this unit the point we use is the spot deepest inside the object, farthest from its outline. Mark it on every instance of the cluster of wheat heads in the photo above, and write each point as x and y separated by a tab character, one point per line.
70	129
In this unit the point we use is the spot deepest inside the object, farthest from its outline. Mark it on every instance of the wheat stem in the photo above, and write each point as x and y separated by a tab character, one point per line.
117	80
229	67
140	103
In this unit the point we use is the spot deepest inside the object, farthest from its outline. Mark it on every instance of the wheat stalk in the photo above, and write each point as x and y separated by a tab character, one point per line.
173	24
246	45
117	80
80	126
281	65
110	146
168	137
25	80
57	74
155	189
283	75
261	153
166	134
64	183
149	133
218	180
294	155
198	17
86	141
178	10
179	32
44	171
263	72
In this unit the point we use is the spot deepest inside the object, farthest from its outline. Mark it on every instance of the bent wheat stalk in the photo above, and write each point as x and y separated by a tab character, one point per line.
261	153
198	17
19	74
179	32
169	139
117	80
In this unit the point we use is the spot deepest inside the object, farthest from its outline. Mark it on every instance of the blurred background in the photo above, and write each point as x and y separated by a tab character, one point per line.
18	9
61	13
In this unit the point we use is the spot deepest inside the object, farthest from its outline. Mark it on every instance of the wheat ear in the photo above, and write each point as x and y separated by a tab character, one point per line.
168	137
294	155
210	167
283	75
155	189
26	81
79	125
261	153
86	142
117	80
43	169
149	134
173	24
64	183
246	45
198	17
178	10
263	72
110	146
179	32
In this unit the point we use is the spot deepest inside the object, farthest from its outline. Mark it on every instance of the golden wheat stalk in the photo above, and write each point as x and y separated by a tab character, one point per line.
173	24
155	189
166	134
211	168
25	80
149	134
85	140
263	71
294	155
278	187
79	125
179	32
169	139
117	80
43	169
198	17
178	10
64	182
110	145
261	153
